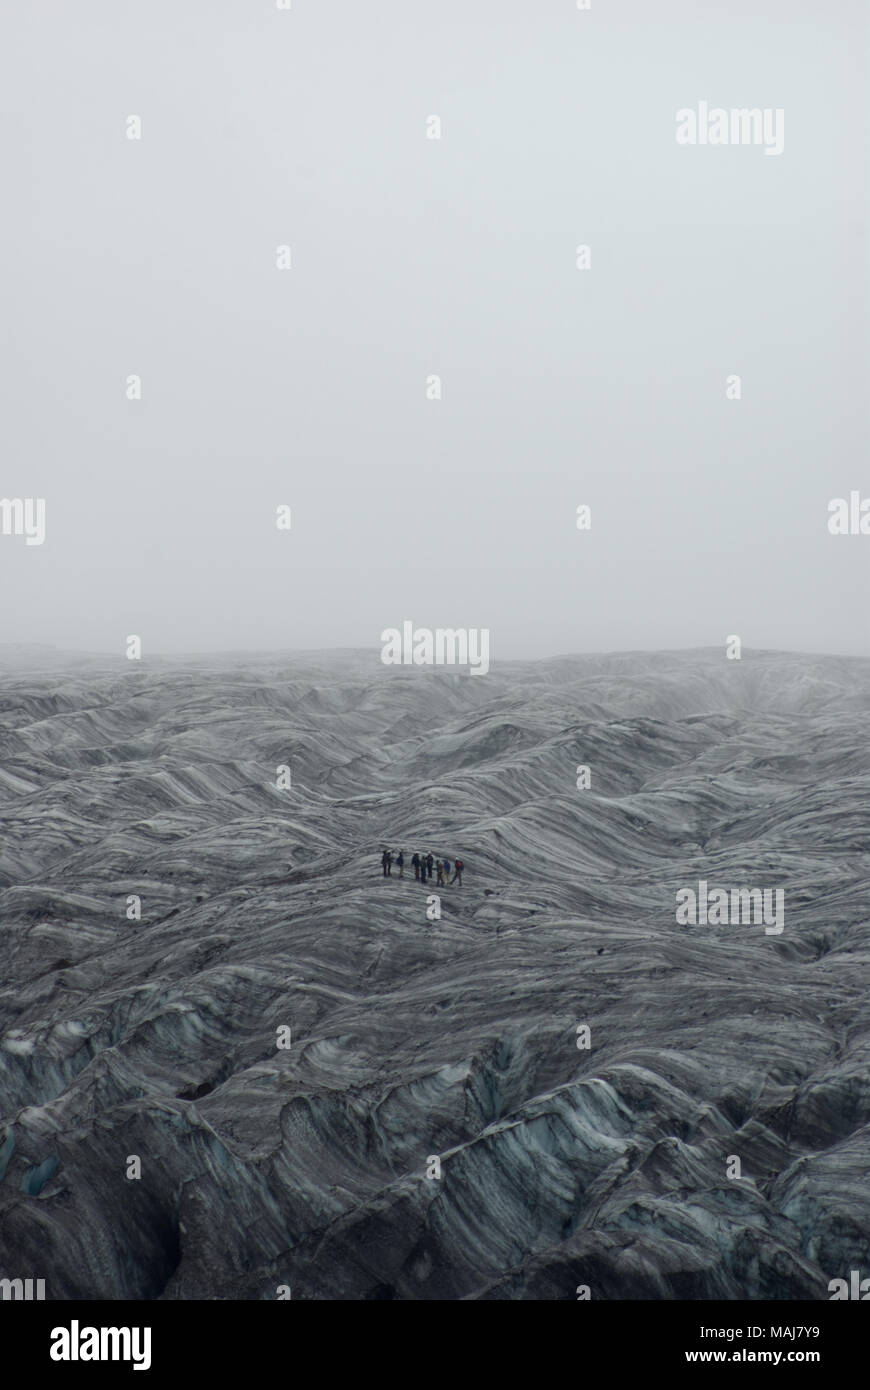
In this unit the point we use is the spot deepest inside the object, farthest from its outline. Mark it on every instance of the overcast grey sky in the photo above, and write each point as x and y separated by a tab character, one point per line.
411	256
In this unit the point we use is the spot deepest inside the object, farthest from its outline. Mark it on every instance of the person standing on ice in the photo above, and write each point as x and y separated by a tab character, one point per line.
430	864
415	864
439	868
458	872
400	861
386	861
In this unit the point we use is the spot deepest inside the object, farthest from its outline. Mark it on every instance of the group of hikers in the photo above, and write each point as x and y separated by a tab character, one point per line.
423	866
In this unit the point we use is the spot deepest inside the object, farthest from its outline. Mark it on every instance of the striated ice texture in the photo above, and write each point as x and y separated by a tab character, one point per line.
455	1038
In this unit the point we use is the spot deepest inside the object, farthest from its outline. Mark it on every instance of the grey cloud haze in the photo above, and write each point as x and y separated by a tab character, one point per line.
412	257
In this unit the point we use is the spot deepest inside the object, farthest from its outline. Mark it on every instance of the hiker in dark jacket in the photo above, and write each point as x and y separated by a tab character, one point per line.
415	864
386	861
446	870
430	864
458	873
400	861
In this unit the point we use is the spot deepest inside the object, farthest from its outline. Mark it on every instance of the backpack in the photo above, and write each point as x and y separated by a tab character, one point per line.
459	865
